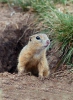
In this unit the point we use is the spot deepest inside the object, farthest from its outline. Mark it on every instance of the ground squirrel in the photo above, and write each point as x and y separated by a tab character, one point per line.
32	57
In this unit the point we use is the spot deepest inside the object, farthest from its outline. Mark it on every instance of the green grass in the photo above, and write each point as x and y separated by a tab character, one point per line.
61	25
64	34
3	1
58	24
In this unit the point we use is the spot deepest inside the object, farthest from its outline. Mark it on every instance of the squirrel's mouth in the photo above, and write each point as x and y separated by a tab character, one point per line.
46	46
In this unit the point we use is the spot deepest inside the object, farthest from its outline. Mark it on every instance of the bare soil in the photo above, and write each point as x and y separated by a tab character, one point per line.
26	87
15	28
59	86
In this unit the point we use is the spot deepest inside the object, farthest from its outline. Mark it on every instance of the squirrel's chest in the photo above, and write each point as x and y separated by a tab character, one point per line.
32	64
34	60
36	57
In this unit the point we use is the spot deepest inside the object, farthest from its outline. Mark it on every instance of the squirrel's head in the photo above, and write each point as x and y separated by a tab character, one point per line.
39	41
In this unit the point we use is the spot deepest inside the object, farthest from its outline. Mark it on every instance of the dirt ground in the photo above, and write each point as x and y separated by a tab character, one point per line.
28	87
15	30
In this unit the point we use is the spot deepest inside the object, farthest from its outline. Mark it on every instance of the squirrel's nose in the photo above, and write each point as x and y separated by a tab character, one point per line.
48	41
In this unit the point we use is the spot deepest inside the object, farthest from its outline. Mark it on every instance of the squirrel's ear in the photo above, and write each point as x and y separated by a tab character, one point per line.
30	38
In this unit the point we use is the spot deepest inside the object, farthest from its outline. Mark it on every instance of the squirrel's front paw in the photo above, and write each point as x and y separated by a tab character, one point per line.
41	78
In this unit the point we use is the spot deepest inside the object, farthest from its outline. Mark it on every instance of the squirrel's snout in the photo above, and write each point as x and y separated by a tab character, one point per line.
48	42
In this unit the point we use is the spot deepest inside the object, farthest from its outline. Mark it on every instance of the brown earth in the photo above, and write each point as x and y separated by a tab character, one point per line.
13	26
26	87
15	29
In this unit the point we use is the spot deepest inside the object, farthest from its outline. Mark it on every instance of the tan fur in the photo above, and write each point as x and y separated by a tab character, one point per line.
32	57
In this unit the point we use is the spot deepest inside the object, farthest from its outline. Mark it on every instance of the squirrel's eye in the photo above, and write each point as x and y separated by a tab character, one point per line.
38	38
